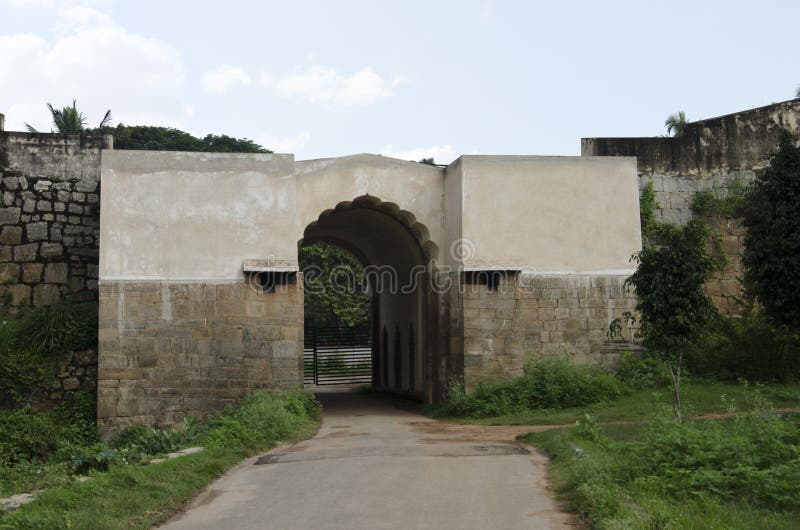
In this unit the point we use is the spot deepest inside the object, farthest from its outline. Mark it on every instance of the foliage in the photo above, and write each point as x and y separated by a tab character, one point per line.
751	347
728	204
34	436
647	212
334	285
429	161
676	123
31	343
168	139
772	240
545	384
69	120
141	496
737	473
640	371
673	307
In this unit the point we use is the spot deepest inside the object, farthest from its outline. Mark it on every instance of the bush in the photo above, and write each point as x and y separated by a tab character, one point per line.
33	436
31	345
546	384
640	371
751	348
740	472
262	418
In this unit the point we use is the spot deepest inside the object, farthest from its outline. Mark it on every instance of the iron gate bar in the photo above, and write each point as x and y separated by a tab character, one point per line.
337	356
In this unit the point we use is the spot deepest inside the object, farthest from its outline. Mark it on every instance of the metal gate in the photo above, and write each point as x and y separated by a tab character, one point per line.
337	356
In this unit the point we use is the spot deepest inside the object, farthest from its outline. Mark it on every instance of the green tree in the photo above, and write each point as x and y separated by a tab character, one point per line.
69	120
334	287
673	307
772	241
428	161
676	123
153	138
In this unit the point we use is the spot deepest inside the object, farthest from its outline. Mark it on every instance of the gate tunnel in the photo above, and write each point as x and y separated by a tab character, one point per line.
394	250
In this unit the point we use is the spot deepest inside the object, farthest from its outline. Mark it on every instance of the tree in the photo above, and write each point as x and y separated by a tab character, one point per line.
334	287
673	307
772	242
69	120
676	123
428	161
168	139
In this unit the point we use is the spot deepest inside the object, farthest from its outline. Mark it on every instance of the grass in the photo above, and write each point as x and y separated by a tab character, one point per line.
139	496
698	397
713	474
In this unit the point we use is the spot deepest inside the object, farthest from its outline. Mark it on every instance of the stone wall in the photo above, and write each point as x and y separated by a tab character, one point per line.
171	350
539	315
713	155
50	216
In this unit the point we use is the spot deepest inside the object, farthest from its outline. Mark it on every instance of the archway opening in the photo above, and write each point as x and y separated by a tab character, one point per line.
394	255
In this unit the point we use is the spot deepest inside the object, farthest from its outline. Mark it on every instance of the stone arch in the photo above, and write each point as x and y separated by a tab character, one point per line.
399	259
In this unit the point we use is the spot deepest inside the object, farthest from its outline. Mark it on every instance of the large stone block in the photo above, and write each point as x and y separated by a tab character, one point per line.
56	273
9	216
11	235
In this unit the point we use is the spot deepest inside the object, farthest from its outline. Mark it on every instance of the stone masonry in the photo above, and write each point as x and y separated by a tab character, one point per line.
49	220
175	350
539	315
713	155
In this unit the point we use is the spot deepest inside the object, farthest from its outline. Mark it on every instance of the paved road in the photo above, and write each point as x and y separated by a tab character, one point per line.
376	464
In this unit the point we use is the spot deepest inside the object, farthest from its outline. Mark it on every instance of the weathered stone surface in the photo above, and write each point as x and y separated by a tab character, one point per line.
51	250
36	231
26	252
56	273
9	216
45	294
11	235
32	272
9	273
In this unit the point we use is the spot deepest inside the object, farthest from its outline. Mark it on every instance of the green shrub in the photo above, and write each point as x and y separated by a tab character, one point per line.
261	418
30	435
640	371
751	348
546	384
31	345
696	474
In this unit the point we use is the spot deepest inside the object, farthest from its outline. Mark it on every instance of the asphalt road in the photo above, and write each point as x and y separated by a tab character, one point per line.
376	464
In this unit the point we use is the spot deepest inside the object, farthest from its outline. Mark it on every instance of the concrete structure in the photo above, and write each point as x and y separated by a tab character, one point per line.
473	266
713	155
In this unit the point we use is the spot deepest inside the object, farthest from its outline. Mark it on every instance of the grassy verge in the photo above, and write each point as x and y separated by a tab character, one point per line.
131	495
734	473
699	398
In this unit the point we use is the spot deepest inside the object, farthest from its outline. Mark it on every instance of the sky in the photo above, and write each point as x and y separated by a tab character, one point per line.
405	79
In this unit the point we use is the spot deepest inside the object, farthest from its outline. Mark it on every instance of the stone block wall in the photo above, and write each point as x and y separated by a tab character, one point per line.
712	155
172	350
539	315
50	216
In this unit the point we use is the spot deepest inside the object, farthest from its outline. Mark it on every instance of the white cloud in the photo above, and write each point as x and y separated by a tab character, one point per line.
285	144
441	154
220	79
101	65
326	85
77	18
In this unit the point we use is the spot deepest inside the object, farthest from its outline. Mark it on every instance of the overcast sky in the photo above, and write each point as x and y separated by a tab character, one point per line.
402	78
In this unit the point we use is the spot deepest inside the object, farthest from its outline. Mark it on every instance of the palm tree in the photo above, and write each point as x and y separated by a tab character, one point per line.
70	120
676	123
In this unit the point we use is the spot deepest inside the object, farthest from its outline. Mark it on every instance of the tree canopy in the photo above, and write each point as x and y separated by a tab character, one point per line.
772	241
334	287
148	137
